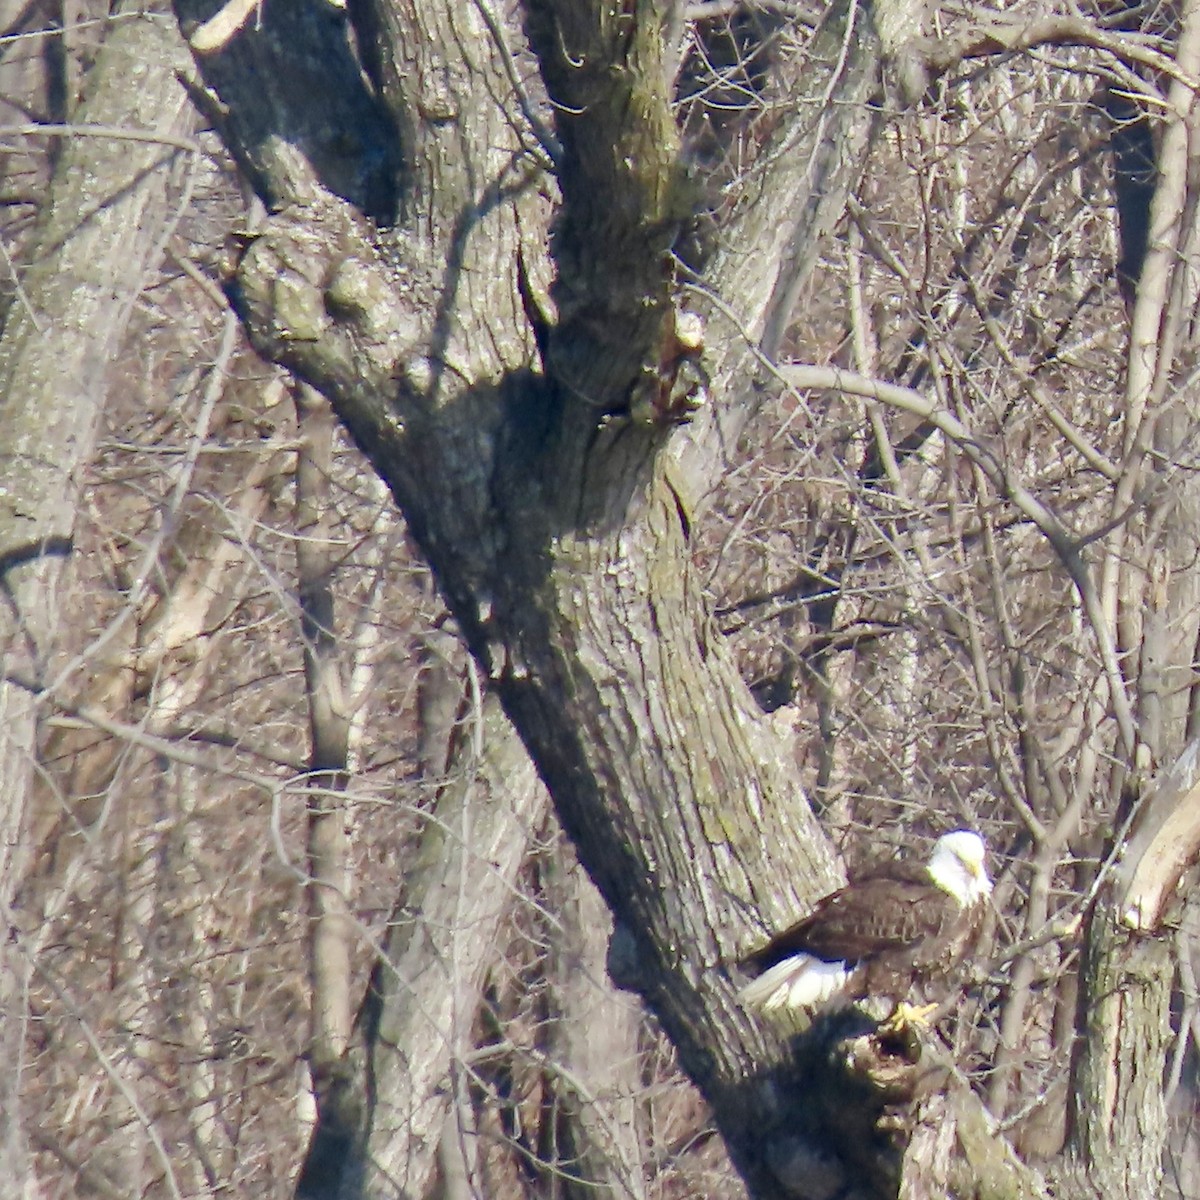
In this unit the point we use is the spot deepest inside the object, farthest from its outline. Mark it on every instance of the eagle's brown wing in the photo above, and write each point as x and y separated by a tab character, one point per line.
883	912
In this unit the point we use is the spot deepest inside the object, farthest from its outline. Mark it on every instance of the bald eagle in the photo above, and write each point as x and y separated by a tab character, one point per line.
882	935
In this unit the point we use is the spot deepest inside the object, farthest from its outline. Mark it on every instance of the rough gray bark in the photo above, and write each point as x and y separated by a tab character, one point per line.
1117	1121
554	532
1117	1105
101	231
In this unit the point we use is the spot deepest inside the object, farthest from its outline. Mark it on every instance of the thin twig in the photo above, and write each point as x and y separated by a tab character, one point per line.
113	132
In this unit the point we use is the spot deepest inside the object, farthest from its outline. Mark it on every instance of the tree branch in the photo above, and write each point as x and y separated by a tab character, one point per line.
1044	519
1017	32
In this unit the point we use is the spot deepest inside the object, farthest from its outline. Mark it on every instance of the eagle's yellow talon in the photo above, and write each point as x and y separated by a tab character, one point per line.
906	1017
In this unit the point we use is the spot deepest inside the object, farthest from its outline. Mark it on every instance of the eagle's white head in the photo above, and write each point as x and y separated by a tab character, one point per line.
957	867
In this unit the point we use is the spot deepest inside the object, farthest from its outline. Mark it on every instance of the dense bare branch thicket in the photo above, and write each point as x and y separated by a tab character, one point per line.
505	502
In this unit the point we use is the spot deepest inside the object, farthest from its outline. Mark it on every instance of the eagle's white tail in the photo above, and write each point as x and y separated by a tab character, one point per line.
800	981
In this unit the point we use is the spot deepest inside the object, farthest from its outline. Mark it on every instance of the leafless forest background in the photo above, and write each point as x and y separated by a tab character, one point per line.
238	573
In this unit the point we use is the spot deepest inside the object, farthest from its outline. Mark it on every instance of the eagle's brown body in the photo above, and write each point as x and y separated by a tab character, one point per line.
897	928
884	934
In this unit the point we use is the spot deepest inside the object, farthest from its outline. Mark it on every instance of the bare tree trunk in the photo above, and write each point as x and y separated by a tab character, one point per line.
331	929
594	1072
1117	1121
380	1129
103	228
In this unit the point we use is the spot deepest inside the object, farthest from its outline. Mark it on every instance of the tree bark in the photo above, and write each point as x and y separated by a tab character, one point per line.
1117	1121
331	927
102	230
